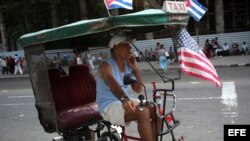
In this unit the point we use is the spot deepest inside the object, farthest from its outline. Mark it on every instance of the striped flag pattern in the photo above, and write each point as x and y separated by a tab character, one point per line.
195	9
192	60
114	4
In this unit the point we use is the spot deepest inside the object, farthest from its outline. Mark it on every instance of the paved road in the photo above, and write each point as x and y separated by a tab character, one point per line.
200	107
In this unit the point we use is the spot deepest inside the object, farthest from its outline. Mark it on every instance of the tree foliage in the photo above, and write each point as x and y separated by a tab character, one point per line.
25	16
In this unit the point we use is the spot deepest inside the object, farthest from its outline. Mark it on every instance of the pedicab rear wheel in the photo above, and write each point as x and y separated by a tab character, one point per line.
114	135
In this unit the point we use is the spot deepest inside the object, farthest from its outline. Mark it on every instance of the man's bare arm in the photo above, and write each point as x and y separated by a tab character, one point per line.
133	64
105	72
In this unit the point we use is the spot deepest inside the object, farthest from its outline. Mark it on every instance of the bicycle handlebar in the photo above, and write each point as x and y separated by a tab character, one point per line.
167	79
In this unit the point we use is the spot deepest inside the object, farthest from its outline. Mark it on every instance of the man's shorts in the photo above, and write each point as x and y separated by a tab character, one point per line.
114	113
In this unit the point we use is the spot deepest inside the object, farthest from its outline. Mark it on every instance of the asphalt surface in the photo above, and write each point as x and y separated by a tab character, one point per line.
200	107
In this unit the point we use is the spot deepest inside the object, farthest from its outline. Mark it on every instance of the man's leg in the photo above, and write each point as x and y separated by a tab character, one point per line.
92	65
145	119
20	70
15	70
144	125
154	120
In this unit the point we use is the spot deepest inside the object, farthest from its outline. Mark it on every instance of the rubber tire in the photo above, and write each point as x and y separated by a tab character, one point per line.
115	136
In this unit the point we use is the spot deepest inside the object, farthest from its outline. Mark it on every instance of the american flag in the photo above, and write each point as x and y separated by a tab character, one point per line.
196	9
114	4
192	60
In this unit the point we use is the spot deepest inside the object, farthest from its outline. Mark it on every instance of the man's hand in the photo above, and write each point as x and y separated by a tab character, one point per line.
132	63
129	105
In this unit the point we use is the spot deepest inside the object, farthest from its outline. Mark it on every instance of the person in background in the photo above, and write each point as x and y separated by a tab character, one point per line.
155	54
244	48
136	54
79	59
163	61
171	55
55	62
90	60
18	65
21	62
226	49
115	104
158	46
235	48
208	49
4	64
65	60
216	47
11	64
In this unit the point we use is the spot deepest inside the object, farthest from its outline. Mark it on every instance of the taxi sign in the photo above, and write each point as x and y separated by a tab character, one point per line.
174	7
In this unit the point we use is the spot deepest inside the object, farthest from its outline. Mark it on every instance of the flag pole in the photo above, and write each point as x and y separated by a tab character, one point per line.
109	13
197	34
107	8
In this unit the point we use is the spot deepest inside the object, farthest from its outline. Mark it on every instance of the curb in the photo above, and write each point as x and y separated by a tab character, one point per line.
232	65
216	66
247	65
12	76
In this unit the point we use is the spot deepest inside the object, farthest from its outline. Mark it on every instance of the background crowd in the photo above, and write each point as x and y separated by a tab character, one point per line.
214	49
164	56
12	65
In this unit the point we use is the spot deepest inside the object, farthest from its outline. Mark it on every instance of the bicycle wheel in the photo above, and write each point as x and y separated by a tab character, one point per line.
114	135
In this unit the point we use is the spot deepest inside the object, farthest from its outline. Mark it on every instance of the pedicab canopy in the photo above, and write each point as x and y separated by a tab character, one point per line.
97	32
86	33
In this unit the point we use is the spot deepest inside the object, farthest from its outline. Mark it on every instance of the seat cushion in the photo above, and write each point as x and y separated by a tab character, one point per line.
80	115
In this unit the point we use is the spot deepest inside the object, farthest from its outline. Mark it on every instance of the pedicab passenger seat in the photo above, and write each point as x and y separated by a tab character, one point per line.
74	98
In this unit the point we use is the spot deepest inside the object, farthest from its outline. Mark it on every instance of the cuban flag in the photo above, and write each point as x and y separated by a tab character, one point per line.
195	9
114	4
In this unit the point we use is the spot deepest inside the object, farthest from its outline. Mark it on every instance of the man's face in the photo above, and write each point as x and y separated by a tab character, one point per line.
124	50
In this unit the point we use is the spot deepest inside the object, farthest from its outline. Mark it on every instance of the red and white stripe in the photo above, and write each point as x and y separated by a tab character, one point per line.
196	64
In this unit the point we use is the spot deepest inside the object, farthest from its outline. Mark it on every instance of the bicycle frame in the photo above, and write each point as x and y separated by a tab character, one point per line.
164	116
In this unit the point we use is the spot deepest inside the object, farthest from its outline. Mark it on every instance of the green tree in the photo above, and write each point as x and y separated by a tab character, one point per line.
5	45
54	12
18	17
23	16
